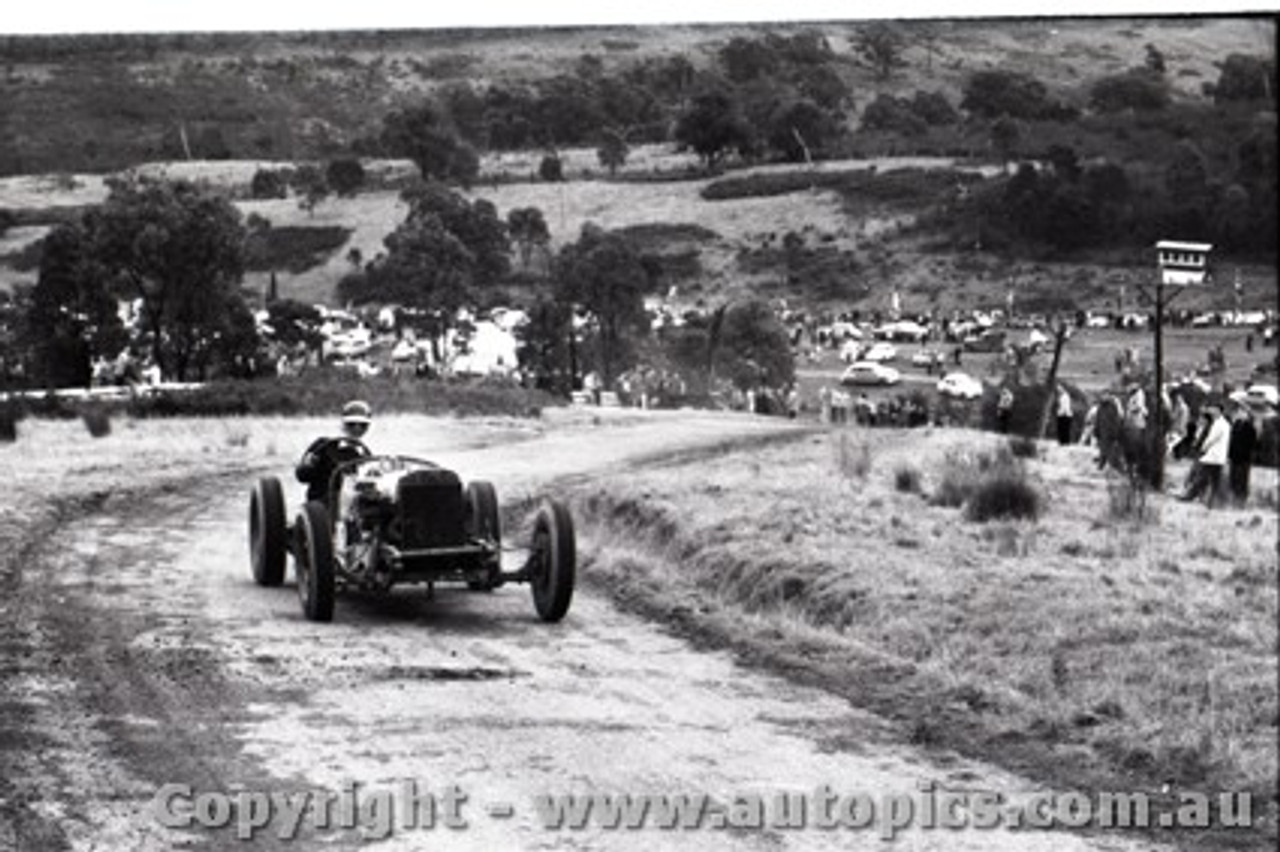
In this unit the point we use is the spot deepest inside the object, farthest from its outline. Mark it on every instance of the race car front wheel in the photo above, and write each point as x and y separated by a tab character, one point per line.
313	556
267	532
553	561
484	524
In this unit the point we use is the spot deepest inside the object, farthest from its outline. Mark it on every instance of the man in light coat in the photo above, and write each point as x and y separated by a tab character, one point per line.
1213	456
1065	415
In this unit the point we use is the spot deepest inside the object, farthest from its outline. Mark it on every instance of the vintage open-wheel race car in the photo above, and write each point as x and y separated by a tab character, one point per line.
392	520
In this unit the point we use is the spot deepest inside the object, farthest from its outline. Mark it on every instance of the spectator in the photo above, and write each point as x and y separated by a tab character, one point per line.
840	401
1065	415
1179	439
1213	456
1089	431
1004	410
1109	432
864	411
1243	443
1136	411
1196	433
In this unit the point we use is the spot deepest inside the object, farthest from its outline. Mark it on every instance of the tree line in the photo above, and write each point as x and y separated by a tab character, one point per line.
175	253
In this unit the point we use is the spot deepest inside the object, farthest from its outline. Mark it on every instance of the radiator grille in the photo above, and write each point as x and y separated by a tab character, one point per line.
432	510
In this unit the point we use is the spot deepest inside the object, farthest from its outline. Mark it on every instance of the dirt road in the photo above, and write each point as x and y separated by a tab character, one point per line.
140	654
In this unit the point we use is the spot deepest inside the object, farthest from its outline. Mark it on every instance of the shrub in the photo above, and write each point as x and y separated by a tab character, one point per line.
269	183
97	421
346	175
1005	493
294	248
906	479
551	169
989	485
959	479
1135	89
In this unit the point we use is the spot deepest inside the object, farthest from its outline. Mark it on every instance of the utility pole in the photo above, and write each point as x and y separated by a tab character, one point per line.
1157	471
1179	264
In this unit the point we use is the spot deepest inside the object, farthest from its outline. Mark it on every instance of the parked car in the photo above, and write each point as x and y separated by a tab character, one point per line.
880	352
1258	396
927	357
960	386
991	340
869	373
902	330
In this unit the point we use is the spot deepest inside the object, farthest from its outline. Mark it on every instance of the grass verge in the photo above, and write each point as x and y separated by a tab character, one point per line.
1077	650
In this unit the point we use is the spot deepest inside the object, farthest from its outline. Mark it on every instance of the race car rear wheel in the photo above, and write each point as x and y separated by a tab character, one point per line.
267	533
313	556
483	523
552	561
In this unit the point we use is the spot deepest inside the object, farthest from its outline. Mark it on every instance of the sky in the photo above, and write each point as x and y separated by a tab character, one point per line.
52	16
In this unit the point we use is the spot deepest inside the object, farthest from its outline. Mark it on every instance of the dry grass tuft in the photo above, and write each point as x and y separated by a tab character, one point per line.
906	479
97	422
959	479
853	456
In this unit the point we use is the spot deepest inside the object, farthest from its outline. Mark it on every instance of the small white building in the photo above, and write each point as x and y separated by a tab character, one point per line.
1182	263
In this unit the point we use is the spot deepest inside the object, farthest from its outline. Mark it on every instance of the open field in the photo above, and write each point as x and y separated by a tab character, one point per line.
1089	648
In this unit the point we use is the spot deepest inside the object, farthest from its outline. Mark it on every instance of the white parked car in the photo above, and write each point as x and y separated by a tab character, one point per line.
960	386
902	330
880	352
927	357
869	373
1258	396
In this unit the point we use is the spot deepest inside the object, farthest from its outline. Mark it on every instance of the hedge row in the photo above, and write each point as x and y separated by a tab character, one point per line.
319	392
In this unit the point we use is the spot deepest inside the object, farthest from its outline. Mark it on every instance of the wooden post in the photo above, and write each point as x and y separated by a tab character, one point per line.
1157	468
1060	332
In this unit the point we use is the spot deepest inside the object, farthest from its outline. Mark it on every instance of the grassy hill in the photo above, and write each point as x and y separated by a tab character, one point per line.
88	103
82	106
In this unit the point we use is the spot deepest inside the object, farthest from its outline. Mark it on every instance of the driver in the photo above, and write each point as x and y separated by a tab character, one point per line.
325	454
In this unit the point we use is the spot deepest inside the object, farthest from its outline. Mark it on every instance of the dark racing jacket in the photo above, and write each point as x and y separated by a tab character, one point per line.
322	458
